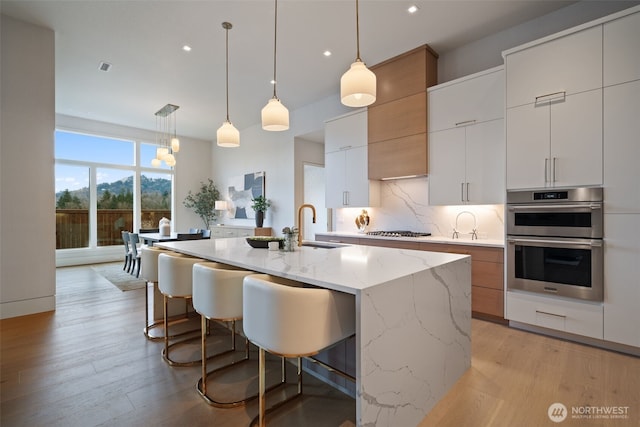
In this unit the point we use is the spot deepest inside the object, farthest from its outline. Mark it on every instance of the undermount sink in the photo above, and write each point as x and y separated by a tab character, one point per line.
324	245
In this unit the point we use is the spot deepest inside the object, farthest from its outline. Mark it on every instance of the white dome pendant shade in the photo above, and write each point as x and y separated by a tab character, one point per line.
175	144
358	84
275	116
228	135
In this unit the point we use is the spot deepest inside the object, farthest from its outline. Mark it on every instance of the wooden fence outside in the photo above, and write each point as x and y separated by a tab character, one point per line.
72	225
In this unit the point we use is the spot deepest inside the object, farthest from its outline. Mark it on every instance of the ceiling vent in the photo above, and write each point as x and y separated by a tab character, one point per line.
104	66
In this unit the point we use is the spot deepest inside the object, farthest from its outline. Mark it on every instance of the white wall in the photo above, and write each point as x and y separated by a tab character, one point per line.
486	53
275	154
27	202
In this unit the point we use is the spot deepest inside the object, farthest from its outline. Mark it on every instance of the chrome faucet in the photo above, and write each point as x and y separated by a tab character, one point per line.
300	230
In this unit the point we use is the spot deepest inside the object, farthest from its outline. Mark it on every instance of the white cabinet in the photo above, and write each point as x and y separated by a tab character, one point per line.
472	99
556	143
622	278
554	111
569	64
466	140
621	51
346	165
575	317
467	165
622	148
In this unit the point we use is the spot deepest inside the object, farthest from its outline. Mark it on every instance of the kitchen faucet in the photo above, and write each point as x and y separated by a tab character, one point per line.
300	230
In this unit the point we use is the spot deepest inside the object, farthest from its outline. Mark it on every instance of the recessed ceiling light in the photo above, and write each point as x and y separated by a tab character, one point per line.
104	66
327	53
412	9
186	48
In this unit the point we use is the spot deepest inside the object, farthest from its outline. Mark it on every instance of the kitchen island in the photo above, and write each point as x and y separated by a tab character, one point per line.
413	316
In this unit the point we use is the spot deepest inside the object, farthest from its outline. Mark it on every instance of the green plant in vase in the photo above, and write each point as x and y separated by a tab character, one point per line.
203	202
260	205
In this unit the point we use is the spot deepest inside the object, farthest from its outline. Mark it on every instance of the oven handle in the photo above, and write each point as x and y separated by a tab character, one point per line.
559	243
574	208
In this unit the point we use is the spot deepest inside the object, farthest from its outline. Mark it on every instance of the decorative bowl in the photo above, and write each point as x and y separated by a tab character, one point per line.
263	241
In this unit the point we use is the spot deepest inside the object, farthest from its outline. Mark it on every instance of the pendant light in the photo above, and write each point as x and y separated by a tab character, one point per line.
358	84
166	137
275	116
227	134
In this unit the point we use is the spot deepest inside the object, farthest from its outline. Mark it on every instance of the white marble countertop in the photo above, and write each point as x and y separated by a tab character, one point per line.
347	268
464	240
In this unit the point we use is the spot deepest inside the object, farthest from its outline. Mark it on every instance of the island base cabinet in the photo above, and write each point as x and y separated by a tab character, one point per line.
580	318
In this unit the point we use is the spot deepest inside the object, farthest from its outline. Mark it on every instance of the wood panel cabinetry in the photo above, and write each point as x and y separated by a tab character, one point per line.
397	126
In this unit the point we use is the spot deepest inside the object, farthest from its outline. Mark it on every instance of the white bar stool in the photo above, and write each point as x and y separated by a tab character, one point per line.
217	295
174	281
292	321
149	259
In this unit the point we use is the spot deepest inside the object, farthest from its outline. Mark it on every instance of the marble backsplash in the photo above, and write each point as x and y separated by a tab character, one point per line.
404	205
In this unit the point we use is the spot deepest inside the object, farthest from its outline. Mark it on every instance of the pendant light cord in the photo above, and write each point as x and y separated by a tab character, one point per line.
227	64
275	46
357	34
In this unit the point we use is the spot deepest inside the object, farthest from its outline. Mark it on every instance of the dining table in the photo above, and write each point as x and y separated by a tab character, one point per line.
151	238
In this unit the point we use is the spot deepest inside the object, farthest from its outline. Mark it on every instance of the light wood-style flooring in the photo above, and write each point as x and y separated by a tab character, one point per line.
88	364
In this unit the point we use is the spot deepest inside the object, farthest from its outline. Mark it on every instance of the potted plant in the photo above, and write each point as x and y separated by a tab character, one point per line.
204	202
260	206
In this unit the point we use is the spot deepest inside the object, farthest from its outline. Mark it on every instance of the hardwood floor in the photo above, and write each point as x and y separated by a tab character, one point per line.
88	364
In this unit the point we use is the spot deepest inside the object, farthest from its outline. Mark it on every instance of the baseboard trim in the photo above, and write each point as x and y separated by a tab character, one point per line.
26	307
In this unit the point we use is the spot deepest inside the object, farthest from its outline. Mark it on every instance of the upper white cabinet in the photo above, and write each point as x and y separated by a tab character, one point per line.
570	64
622	148
554	112
472	99
621	52
346	164
466	140
555	144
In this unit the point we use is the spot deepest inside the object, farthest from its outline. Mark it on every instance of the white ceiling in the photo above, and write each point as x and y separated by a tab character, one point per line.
143	41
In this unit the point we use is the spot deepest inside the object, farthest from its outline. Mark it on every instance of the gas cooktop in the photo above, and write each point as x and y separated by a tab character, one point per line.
398	233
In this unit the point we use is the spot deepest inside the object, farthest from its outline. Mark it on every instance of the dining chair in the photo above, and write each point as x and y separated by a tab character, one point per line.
134	239
127	251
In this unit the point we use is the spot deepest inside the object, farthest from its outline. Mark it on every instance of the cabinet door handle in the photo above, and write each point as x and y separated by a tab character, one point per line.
462	191
466	122
345	147
345	198
551	314
467	191
553	170
555	96
546	174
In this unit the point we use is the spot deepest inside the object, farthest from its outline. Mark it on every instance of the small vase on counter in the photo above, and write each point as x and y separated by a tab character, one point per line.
290	239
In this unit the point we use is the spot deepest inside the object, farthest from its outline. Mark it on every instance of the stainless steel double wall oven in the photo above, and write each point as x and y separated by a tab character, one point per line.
555	242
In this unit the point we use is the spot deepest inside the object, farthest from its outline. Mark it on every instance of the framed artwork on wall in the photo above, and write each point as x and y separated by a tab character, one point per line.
241	190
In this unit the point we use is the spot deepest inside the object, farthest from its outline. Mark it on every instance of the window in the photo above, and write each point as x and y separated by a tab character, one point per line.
102	190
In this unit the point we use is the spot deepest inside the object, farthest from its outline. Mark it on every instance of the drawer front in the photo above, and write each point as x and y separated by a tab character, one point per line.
487	274
574	317
487	301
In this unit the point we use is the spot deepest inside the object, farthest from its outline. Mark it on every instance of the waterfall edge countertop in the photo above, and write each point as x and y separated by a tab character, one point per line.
413	316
